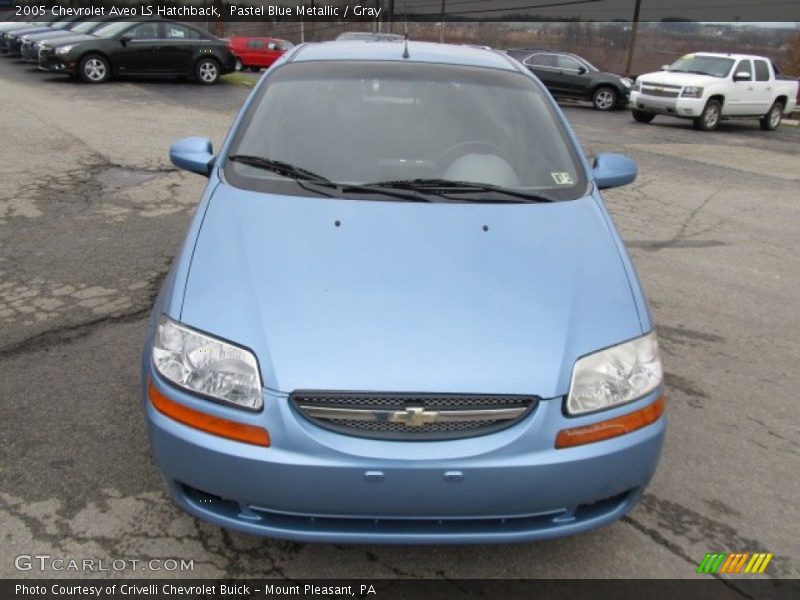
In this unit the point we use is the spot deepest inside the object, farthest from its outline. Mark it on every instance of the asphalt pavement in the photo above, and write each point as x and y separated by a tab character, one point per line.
91	213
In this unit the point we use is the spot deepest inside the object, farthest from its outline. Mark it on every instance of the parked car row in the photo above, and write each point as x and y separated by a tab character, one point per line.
94	50
704	87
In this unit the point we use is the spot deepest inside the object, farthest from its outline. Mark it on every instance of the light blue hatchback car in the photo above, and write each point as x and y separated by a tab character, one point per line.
402	313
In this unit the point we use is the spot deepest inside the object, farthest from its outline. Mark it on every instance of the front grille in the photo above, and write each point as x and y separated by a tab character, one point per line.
661	91
401	416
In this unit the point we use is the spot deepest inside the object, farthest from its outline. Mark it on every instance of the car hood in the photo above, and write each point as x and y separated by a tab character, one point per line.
48	35
72	39
9	26
406	296
670	78
27	30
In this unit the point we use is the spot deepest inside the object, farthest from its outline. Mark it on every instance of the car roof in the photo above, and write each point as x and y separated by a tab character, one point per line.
425	52
726	55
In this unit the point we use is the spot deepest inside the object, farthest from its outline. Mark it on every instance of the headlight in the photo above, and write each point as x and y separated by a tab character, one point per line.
63	49
626	82
691	91
203	364
637	86
615	376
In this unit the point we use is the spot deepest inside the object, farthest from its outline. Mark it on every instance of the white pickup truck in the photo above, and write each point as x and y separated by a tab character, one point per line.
709	87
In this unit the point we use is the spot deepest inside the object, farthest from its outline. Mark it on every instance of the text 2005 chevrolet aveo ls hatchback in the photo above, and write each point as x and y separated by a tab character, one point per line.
402	313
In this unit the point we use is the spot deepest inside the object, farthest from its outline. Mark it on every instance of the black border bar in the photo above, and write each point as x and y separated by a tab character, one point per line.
703	587
787	11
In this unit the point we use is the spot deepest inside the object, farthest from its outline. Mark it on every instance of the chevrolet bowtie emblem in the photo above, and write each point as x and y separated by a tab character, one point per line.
414	416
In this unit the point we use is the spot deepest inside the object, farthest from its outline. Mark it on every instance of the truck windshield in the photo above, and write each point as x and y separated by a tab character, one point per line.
368	122
715	66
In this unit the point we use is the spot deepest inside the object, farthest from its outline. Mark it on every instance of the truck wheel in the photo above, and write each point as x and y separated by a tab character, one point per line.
604	98
207	71
641	116
93	68
771	120
709	118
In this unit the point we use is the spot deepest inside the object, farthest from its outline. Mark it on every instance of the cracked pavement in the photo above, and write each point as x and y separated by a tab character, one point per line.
91	213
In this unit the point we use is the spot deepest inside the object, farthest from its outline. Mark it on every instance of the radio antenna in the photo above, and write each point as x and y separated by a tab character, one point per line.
405	34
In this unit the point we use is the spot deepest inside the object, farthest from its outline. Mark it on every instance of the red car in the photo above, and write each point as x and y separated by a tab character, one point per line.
255	53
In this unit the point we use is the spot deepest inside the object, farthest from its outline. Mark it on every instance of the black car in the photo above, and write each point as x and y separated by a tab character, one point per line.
31	42
153	48
10	36
570	76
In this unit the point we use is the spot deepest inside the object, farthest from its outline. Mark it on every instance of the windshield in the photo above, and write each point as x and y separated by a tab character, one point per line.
377	122
62	25
704	65
112	29
85	26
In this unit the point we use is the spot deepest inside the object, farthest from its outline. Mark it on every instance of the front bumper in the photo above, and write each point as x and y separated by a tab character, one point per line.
30	52
689	108
55	63
228	64
316	485
13	47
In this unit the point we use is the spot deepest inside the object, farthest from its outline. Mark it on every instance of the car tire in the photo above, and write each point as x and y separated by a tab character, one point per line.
605	98
94	68
641	116
206	71
772	120
239	65
710	117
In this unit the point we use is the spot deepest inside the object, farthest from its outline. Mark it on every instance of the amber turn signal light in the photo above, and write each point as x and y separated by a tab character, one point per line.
240	432
604	430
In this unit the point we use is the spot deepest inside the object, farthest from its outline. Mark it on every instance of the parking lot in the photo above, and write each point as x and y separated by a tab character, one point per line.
91	212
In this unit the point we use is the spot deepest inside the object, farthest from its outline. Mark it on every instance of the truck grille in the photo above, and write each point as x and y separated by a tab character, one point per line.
662	91
401	416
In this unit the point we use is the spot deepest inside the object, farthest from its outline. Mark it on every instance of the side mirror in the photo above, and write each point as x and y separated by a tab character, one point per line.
581	70
742	76
613	170
125	39
195	154
665	67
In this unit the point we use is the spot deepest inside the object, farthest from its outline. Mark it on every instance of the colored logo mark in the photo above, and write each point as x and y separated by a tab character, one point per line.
734	562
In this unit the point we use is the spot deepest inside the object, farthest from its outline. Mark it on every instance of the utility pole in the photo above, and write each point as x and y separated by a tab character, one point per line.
391	16
219	26
313	25
441	25
632	40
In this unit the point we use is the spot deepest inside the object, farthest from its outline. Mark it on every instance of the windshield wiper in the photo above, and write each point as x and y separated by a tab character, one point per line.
302	175
443	187
281	168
